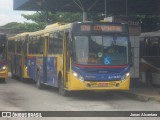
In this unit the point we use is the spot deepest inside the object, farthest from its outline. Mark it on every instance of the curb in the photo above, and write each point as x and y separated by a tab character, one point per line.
140	97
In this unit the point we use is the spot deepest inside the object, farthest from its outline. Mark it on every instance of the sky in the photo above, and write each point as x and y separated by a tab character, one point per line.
7	14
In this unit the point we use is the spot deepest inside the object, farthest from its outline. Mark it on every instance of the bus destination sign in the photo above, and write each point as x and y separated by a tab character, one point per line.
103	28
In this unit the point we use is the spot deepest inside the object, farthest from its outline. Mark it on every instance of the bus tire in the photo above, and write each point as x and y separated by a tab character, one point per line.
21	76
39	84
61	89
149	78
2	80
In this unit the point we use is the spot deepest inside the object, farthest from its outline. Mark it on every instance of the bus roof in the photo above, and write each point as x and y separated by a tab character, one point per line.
37	33
57	26
18	36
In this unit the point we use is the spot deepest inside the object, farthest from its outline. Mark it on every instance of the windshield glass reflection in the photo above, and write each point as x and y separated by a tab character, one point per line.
101	50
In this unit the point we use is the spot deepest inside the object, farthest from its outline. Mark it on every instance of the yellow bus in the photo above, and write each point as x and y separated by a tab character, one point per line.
17	55
3	58
80	56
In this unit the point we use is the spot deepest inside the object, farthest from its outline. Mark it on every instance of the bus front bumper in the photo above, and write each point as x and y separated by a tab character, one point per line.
75	84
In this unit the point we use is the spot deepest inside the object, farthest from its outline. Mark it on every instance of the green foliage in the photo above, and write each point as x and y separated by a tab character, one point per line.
41	19
10	25
51	17
24	27
64	17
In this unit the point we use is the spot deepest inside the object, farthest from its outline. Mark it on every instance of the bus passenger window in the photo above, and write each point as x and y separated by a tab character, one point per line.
18	46
38	45
11	46
60	45
53	43
50	45
30	45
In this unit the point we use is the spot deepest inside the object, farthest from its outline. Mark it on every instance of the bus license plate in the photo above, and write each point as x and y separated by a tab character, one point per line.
102	84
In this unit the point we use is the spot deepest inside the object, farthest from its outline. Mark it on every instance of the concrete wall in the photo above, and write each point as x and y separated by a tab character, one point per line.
135	56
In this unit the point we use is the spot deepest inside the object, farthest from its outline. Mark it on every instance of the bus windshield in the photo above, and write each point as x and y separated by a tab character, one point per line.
101	50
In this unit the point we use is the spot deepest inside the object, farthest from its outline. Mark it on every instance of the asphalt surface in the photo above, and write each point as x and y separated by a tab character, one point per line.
18	96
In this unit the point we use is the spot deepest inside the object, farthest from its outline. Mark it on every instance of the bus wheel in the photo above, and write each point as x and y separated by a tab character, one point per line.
21	76
149	79
2	80
61	89
39	84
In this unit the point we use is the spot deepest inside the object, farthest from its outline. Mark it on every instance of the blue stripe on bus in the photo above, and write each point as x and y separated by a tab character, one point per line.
103	74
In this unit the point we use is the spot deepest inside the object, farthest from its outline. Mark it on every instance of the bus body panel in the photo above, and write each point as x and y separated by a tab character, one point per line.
94	78
52	78
101	74
32	67
75	84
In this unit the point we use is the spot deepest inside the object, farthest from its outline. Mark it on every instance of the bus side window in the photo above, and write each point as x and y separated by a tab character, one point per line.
60	45
11	46
18	46
50	45
40	45
34	47
30	45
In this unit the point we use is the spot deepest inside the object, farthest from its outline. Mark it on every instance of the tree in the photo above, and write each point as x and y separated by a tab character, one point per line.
52	17
23	27
64	17
40	21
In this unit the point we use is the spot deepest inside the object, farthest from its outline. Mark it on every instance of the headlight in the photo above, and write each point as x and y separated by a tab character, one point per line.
3	68
76	75
124	77
26	67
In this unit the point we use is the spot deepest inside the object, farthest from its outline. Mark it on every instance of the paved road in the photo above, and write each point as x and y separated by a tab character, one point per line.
19	96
